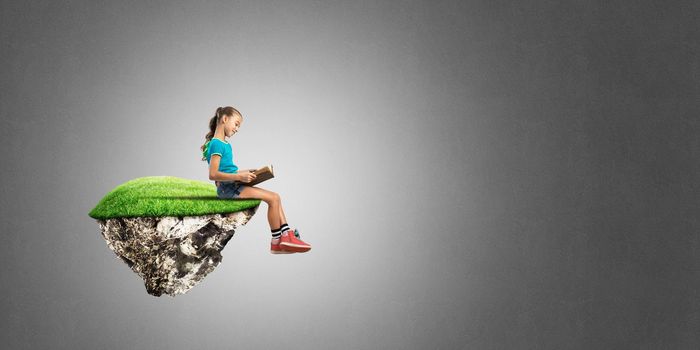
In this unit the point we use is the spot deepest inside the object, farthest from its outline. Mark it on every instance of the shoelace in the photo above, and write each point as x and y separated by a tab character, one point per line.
296	233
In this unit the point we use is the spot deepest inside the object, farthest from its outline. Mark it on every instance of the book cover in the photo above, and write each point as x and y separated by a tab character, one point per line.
263	174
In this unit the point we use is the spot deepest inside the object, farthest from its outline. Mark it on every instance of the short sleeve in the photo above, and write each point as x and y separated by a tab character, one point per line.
216	147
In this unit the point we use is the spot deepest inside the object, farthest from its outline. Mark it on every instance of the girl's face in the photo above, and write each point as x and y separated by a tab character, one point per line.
231	124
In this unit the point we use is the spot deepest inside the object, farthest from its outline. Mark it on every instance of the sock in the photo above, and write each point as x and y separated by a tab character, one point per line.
284	227
276	233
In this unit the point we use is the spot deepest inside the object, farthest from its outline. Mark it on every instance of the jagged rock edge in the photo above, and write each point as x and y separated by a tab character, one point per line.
172	254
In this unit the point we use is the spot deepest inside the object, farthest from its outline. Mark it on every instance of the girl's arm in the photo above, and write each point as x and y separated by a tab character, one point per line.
216	175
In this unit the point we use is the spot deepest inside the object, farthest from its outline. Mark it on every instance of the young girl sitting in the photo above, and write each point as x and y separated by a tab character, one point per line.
231	183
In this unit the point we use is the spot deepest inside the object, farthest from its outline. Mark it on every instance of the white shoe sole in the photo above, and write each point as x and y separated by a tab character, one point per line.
297	248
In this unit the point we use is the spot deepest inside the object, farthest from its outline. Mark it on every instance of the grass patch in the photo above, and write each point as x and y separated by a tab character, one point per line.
166	196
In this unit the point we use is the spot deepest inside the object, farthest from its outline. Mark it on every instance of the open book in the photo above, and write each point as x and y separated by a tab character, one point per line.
262	174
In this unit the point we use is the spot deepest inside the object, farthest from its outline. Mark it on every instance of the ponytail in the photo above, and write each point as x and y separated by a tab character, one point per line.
213	122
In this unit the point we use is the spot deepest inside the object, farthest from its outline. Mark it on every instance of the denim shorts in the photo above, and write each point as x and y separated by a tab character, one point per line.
228	190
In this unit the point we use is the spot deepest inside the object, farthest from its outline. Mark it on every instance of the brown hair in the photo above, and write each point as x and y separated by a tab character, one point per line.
213	122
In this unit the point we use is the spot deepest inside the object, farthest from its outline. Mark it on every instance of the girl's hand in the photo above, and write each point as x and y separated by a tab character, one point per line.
246	177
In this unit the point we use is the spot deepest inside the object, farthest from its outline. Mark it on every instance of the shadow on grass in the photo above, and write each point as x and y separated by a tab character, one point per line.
198	198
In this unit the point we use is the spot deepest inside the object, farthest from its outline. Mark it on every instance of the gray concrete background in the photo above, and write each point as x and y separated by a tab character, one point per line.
471	174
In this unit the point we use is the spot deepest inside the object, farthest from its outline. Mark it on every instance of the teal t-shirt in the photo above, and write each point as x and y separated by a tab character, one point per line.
223	149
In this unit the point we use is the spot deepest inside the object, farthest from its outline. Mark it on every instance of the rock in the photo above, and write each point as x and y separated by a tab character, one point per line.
172	254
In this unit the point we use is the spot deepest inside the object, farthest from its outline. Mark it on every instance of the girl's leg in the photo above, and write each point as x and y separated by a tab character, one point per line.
274	204
283	219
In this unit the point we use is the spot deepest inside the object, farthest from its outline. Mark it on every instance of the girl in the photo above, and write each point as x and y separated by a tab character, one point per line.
230	182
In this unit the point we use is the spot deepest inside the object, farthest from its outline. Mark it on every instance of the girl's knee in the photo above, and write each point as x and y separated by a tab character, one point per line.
272	198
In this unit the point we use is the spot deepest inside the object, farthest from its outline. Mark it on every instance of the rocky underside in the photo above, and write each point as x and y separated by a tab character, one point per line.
172	254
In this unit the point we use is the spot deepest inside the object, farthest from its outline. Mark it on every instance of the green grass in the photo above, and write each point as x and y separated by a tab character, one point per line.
166	196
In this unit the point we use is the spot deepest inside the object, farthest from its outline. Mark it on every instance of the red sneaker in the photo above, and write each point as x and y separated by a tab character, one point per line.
290	242
277	249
